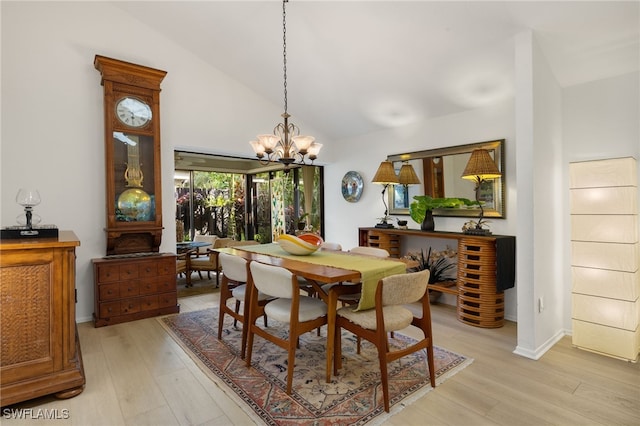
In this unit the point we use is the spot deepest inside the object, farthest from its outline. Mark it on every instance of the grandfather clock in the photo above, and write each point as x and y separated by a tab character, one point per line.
134	280
132	147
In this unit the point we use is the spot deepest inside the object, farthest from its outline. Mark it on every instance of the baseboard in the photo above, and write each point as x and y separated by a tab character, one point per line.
540	350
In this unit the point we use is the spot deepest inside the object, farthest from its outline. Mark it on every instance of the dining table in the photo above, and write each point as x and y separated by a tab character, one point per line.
185	246
327	267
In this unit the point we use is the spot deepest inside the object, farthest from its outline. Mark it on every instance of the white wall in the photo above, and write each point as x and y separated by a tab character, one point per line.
52	115
601	120
547	193
364	154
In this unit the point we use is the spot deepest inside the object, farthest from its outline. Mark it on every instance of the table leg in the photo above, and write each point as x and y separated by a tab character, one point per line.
332	302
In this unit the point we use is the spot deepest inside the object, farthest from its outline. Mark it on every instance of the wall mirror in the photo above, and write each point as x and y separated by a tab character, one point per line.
440	172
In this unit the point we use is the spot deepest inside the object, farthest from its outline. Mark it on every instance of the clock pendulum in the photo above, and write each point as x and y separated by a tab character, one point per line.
134	203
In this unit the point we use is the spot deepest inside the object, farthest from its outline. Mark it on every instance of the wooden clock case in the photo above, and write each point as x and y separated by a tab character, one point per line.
127	234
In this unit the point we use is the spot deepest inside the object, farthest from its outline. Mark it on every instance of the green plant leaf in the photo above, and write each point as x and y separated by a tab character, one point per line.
418	208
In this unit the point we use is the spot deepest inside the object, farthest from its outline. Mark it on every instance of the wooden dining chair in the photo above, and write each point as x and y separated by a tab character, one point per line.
209	239
301	313
329	245
183	266
210	263
353	297
390	314
233	285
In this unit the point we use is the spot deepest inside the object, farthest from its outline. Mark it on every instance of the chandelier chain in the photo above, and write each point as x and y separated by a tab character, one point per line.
284	51
285	145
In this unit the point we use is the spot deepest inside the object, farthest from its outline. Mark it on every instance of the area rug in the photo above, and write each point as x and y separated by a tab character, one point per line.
352	398
198	286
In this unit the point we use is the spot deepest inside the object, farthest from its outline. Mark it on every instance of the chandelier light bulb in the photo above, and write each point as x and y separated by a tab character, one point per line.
258	148
303	142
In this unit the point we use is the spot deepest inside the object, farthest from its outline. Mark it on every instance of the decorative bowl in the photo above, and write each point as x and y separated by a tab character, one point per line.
296	246
311	238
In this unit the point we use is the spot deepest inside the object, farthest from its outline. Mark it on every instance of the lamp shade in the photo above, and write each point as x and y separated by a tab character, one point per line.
385	174
481	166
407	175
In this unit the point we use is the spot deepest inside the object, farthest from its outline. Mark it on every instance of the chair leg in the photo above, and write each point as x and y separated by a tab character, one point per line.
431	363
235	321
291	363
384	376
337	351
249	349
224	296
220	320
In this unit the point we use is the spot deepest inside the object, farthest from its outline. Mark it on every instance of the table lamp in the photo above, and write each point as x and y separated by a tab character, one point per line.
385	176
479	169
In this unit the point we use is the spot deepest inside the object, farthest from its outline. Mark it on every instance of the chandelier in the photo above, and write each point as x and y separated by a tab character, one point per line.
286	144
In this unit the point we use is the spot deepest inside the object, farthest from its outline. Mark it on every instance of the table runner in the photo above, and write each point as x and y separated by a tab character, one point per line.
371	269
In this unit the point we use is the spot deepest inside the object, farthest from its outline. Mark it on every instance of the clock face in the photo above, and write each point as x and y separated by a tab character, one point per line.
133	112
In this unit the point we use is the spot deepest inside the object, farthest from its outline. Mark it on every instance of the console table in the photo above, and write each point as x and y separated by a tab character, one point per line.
486	267
40	346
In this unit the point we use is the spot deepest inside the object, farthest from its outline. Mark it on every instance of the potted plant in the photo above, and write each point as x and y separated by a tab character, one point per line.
440	266
421	210
302	223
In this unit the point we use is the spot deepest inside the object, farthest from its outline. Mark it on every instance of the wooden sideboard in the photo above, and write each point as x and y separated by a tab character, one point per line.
132	287
486	267
40	352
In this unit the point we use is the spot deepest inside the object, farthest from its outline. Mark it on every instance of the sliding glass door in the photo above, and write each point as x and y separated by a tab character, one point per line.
255	206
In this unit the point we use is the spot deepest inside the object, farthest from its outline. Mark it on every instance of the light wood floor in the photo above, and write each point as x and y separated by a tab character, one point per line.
137	375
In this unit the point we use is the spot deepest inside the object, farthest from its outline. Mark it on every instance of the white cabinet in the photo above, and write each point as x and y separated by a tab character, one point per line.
605	252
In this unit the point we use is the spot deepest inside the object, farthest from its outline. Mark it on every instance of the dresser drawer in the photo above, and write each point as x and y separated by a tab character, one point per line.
148	303
108	273
130	306
130	288
167	299
128	271
109	309
166	283
148	286
109	291
147	269
167	267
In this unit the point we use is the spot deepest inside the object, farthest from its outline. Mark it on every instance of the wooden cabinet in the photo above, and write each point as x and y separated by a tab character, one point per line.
605	257
131	287
40	352
486	267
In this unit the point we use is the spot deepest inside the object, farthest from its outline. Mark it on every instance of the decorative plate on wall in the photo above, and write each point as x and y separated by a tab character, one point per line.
352	186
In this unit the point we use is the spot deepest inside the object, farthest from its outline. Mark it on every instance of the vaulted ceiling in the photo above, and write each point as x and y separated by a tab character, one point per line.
355	67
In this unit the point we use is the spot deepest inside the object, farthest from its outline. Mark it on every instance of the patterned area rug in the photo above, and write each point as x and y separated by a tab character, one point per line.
352	398
198	286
